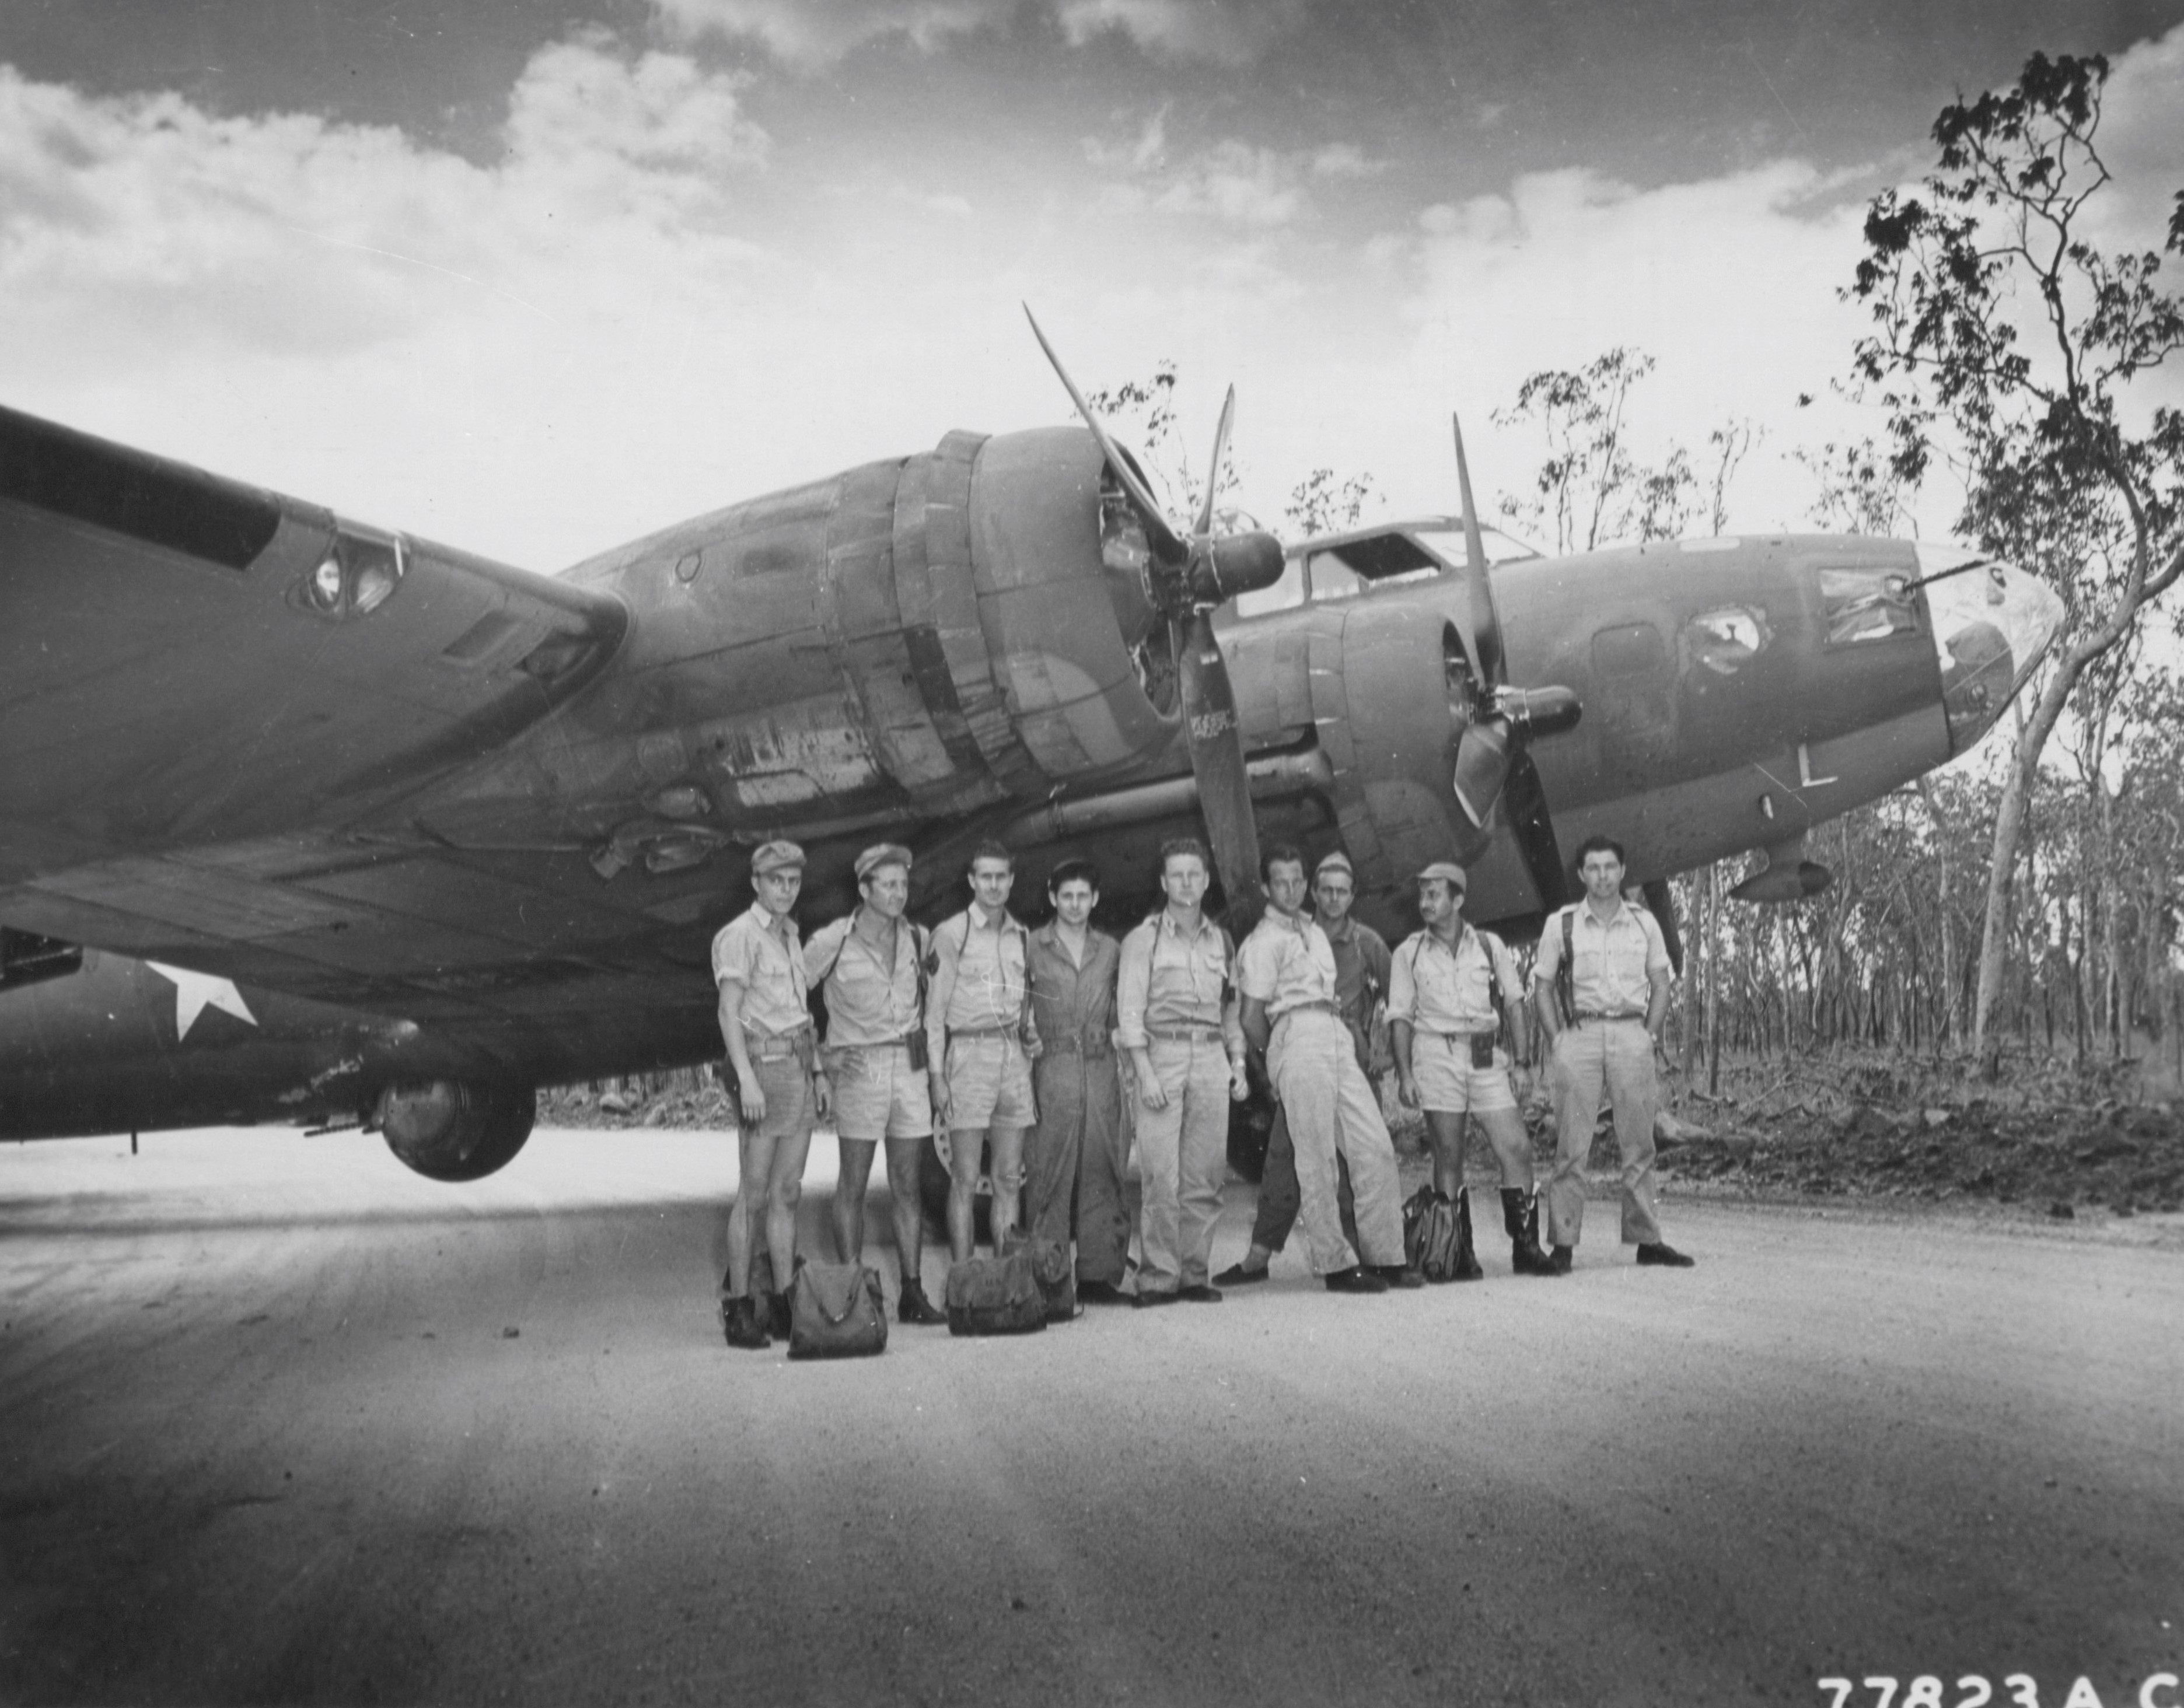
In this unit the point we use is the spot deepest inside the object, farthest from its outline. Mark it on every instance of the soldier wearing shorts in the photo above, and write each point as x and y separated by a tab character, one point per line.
980	1032
1448	986
758	964
1608	959
1174	1015
1286	973
870	965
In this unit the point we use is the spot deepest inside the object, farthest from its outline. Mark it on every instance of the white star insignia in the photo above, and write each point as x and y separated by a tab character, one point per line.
196	992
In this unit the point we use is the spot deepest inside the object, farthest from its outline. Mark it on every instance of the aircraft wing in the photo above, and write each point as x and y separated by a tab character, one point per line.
205	688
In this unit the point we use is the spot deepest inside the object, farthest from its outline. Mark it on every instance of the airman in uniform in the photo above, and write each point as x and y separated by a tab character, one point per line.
1175	1016
1619	987
870	965
1443	1014
758	964
1074	1158
1286	975
981	1036
1361	983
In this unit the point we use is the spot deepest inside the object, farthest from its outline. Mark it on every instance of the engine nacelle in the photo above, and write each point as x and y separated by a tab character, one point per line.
456	1130
922	637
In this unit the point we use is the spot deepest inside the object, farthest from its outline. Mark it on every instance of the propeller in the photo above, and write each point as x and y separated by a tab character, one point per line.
1188	575
1493	757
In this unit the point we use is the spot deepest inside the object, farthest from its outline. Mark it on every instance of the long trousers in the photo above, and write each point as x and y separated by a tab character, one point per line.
1332	1112
1615	1056
1073	1161
1183	1162
1279	1198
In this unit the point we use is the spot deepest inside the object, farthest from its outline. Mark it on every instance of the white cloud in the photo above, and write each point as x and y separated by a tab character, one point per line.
1227	34
1235	182
813	34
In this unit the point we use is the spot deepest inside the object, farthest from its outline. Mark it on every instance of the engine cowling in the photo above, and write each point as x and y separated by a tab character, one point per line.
456	1130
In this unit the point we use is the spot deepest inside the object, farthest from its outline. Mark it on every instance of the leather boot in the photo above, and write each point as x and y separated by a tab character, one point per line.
1467	1253
1520	1216
914	1307
776	1314
740	1323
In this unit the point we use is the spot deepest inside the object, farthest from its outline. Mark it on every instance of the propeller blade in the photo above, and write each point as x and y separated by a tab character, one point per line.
1661	902
1483	759
1485	626
1213	472
1165	542
1526	803
1217	761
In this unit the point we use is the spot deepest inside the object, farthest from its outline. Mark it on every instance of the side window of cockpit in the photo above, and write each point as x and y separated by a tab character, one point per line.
1332	578
1862	605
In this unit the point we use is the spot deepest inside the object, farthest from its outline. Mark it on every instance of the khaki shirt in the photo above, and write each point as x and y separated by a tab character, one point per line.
1435	989
868	1002
765	959
1167	980
1286	963
981	967
1362	965
1612	963
1074	1004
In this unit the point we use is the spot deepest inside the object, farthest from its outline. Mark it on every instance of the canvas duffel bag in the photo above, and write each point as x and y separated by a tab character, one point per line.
835	1310
996	1295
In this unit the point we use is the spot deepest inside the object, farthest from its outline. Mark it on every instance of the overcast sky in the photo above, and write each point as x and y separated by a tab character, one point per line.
535	279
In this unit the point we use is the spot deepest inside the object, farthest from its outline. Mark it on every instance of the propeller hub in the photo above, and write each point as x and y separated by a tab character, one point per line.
1550	711
1235	564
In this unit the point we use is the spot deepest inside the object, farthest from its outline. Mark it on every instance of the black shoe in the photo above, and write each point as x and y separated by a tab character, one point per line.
1520	1216
1146	1301
1101	1293
1237	1275
1199	1294
740	1324
1658	1255
1398	1275
914	1307
776	1314
1355	1280
1558	1260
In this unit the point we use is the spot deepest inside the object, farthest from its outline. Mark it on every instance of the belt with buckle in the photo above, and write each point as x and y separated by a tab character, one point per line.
1314	1007
779	1046
1068	1043
1582	1018
1185	1034
957	1032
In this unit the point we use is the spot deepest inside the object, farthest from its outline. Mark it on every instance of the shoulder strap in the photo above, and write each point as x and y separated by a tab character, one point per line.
1566	969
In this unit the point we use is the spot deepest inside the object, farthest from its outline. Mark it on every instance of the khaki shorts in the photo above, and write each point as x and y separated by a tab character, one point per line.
989	1083
1448	1084
877	1094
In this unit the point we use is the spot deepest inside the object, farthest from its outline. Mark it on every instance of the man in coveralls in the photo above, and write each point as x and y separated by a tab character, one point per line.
1361	981
1442	1017
1075	1156
980	1031
868	964
758	964
1618	985
1174	1016
1286	974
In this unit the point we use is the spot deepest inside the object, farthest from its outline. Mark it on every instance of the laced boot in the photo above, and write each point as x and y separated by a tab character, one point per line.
741	1324
1467	1253
914	1307
1520	1214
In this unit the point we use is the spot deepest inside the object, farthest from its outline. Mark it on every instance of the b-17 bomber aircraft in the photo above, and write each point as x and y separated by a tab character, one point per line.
305	821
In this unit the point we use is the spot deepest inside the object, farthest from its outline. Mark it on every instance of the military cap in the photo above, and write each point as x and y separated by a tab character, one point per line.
1447	869
777	856
879	854
1337	861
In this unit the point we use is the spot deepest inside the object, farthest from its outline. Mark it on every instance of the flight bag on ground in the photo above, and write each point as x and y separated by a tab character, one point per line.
1431	1238
996	1295
835	1310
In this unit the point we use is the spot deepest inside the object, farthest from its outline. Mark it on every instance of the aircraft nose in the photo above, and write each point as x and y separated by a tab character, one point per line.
1992	625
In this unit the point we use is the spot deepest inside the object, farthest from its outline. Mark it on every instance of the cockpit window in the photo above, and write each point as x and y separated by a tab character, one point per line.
1868	605
1284	594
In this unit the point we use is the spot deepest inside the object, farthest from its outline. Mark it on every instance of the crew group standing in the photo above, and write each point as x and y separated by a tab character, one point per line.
1020	1048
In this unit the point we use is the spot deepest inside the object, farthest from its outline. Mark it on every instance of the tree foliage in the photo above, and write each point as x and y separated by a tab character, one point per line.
1590	491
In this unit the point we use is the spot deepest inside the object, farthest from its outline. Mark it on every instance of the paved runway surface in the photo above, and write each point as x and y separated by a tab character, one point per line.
281	1422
